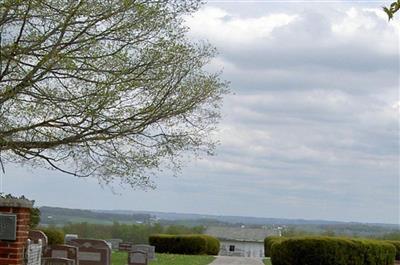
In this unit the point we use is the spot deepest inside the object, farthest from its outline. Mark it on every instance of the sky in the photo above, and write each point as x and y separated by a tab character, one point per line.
310	129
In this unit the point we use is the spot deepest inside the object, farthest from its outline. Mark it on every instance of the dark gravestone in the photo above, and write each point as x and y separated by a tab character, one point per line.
92	251
61	251
125	246
94	243
137	258
36	235
8	227
93	256
57	261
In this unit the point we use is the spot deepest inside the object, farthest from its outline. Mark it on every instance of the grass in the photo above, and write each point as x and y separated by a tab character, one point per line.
267	262
121	258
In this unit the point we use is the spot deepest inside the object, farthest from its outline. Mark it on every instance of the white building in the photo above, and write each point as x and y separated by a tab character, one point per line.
241	241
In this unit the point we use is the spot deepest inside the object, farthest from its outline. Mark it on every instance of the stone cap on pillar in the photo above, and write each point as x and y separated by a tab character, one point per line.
15	202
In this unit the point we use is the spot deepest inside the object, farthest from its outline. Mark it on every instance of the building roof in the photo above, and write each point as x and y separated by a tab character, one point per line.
240	233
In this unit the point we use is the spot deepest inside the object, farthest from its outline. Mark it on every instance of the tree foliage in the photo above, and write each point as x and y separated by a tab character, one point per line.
54	235
34	218
392	9
104	88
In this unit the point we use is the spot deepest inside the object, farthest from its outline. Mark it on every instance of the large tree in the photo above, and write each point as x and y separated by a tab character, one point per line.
104	88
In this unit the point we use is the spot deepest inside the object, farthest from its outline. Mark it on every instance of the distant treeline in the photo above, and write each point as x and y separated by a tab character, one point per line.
54	215
357	231
137	233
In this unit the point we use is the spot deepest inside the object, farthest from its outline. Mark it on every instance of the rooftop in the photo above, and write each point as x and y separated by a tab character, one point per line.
240	233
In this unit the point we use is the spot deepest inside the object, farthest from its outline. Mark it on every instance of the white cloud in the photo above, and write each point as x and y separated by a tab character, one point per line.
366	24
225	29
312	110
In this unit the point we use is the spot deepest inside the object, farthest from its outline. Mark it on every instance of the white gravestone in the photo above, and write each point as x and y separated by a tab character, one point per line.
34	253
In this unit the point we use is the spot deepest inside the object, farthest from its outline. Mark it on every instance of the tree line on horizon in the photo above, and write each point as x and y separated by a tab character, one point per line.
136	233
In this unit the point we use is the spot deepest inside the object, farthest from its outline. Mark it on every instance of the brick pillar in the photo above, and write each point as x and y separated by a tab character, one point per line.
12	251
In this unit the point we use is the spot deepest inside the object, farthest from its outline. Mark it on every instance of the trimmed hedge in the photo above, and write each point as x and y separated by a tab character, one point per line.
378	252
213	245
396	244
268	241
185	244
331	251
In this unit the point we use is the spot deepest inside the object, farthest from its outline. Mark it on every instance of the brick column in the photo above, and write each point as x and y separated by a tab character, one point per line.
12	252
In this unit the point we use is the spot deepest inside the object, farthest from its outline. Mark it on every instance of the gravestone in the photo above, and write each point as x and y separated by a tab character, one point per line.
137	258
69	237
61	251
33	253
57	261
93	256
125	246
36	235
92	251
149	250
114	242
94	243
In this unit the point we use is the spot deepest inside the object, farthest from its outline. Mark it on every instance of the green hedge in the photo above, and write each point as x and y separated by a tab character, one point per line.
331	251
213	245
396	244
54	236
185	244
378	252
268	241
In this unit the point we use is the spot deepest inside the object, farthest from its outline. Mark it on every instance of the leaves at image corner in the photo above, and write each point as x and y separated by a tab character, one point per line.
110	89
392	9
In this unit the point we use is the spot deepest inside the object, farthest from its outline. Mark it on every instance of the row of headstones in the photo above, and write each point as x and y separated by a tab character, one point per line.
93	252
78	252
75	252
89	252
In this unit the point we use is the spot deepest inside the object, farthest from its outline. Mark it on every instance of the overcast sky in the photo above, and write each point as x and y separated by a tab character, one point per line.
310	130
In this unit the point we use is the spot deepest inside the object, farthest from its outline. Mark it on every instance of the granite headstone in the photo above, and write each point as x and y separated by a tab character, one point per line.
137	258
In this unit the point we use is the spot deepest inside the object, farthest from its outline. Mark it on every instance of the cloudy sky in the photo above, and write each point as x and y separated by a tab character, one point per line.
310	130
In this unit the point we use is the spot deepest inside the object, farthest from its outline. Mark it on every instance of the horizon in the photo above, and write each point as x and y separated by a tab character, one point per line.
127	211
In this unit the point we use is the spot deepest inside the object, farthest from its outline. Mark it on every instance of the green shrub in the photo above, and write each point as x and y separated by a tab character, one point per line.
55	236
185	244
378	252
268	241
213	245
331	251
396	244
35	218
